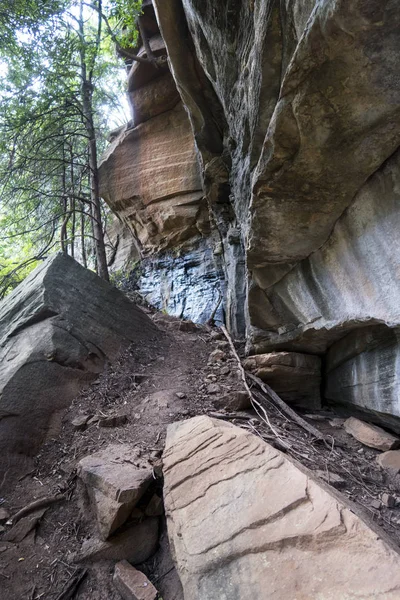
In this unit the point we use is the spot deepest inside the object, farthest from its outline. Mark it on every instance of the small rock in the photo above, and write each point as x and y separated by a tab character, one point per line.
80	421
225	371
213	388
388	500
238	400
390	461
336	422
132	584
216	356
135	545
155	507
180	395
216	335
115	484
376	504
113	421
23	527
222	345
331	478
188	326
4	515
371	435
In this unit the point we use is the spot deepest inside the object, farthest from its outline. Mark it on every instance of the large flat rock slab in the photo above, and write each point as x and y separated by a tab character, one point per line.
57	330
246	522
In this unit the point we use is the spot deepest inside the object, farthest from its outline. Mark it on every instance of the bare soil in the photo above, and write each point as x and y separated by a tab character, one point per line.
154	385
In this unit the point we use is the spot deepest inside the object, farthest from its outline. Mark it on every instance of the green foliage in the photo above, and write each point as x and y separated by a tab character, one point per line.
44	172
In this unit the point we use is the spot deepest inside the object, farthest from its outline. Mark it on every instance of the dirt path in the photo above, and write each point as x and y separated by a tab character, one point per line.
175	377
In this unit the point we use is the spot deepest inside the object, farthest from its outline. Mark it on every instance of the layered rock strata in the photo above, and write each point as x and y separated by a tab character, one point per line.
150	176
302	165
245	522
295	377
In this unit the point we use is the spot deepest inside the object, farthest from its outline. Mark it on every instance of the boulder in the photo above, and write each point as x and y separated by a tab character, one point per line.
116	479
390	460
57	330
295	377
371	435
244	522
132	584
136	544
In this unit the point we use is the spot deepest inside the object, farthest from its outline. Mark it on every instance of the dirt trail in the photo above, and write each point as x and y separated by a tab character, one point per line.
172	378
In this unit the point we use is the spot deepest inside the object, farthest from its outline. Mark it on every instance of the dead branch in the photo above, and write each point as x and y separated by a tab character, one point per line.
260	410
286	409
72	585
41	503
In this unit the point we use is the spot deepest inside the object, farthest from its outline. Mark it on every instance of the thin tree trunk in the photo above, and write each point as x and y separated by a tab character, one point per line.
87	109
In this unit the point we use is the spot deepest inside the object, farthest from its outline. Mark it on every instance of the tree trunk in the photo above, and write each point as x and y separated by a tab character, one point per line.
87	109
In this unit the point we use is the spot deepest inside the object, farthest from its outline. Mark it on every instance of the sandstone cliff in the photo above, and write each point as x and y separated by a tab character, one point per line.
294	108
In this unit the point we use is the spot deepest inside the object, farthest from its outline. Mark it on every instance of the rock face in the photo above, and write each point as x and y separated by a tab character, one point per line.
151	177
57	329
240	530
295	377
304	167
294	109
185	284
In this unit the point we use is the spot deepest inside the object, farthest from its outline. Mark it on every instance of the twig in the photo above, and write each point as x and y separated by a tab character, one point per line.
41	503
287	410
72	585
256	405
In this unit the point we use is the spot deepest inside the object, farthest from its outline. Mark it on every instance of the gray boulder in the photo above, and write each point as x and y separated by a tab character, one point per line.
57	330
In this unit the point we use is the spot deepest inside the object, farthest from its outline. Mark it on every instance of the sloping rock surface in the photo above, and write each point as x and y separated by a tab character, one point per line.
245	522
57	330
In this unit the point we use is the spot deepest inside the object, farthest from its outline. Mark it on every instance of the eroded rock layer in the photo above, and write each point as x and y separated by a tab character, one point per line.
245	522
303	165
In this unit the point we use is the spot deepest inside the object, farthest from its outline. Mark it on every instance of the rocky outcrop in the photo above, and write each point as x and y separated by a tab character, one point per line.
295	377
303	166
294	109
245	522
57	330
151	177
186	284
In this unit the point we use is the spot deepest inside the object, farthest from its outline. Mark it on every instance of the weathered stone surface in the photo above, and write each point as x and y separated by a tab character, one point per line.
124	253
185	284
347	284
245	522
135	545
362	374
57	329
158	96
116	480
150	176
132	584
390	460
311	170
371	435
294	376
